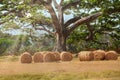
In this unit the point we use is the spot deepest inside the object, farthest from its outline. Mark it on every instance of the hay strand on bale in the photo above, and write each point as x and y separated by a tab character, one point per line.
26	58
85	56
44	52
99	55
38	57
111	55
57	55
49	57
66	56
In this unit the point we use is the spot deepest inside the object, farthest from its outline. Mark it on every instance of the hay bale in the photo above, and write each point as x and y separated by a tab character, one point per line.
57	55
44	52
111	55
26	58
66	56
85	56
49	57
99	55
38	57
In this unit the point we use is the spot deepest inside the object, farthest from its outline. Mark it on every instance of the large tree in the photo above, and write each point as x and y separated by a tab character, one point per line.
64	28
83	12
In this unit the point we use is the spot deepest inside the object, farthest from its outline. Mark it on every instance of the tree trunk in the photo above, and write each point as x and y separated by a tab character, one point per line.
60	42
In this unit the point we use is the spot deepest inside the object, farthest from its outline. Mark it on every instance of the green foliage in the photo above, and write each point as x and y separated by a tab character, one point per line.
4	44
106	29
21	41
106	38
10	26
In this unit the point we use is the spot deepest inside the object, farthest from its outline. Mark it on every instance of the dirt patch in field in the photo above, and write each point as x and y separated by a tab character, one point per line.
9	67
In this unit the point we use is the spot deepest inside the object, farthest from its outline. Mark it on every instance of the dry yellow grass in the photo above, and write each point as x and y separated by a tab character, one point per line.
75	66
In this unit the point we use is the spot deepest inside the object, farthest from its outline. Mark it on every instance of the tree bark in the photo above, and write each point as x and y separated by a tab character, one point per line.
60	42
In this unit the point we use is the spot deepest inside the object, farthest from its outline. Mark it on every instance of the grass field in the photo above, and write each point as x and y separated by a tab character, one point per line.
12	69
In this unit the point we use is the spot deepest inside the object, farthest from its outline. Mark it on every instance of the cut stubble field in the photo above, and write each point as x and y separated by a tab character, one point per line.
10	65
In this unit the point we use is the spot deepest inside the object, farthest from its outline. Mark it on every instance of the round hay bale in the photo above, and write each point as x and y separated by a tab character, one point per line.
86	56
49	57
57	56
111	55
99	55
26	58
38	57
66	56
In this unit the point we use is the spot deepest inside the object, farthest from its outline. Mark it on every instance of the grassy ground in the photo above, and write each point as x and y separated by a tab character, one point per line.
107	75
12	69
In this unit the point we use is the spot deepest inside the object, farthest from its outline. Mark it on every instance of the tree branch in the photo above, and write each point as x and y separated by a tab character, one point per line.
84	20
71	21
38	2
60	14
71	4
44	29
110	11
55	20
56	4
5	14
49	1
1	1
2	22
61	2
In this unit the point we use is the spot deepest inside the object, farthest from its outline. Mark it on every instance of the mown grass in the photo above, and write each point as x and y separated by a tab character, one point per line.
107	75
